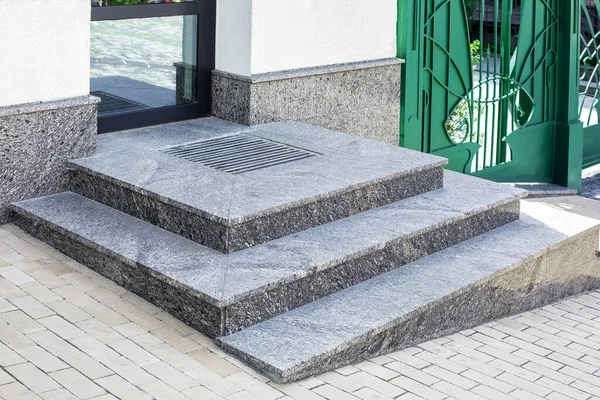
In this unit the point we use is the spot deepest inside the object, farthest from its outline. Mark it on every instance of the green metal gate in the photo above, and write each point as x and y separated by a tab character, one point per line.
485	83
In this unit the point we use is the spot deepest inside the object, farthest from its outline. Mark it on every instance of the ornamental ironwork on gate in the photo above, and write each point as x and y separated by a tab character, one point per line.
485	82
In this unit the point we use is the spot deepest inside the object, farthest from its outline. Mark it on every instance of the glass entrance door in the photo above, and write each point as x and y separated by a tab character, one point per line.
151	61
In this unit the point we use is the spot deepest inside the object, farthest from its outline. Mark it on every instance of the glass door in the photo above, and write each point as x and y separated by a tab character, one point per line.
151	61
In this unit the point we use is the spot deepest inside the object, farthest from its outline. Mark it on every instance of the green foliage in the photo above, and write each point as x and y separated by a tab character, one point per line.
475	53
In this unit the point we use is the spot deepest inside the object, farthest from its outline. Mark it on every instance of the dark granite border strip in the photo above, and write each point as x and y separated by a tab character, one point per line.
262	229
289	295
196	312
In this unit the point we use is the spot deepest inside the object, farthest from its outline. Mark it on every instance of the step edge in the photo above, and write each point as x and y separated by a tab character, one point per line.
238	221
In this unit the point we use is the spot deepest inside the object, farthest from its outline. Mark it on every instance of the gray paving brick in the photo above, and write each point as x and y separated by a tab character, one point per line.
340	381
561	388
409	359
418	388
21	322
41	358
377	384
541	360
490	393
456	391
32	377
450	377
76	383
571	362
547	372
413	373
525	384
486	380
441	362
514	370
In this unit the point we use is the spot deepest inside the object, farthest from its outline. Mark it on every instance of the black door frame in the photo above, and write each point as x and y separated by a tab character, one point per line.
205	10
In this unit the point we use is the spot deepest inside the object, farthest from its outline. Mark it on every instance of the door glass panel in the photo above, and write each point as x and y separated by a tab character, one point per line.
143	63
99	3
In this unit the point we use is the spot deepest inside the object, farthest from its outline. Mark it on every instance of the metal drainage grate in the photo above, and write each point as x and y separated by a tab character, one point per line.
239	153
111	104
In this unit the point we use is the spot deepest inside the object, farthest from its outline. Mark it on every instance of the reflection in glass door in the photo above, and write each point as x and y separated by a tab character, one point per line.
151	61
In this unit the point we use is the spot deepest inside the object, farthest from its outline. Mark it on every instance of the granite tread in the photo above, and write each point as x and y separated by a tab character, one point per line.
547	254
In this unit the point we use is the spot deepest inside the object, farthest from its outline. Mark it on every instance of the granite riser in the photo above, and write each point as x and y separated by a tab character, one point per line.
526	285
236	314
227	239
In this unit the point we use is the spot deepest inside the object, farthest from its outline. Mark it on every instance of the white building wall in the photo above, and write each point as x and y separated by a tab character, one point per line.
258	36
44	50
233	36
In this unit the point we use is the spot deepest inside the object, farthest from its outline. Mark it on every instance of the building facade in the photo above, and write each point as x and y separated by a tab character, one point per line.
76	68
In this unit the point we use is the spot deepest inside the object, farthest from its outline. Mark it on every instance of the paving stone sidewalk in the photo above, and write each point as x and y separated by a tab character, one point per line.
591	183
68	333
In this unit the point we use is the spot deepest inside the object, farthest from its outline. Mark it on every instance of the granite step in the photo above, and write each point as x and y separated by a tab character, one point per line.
219	294
547	255
140	173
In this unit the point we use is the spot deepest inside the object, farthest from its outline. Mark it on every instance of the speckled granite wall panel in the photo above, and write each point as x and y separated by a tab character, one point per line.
358	98
370	122
36	141
231	99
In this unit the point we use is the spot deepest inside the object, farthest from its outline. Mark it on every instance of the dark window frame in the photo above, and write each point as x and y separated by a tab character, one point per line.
205	10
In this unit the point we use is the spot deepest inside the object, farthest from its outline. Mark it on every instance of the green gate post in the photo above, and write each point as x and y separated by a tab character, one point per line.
568	141
409	46
507	10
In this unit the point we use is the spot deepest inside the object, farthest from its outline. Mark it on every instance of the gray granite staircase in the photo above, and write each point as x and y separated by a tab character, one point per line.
346	249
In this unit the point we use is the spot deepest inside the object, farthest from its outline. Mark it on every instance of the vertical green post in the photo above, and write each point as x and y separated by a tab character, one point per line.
401	49
568	140
505	48
409	47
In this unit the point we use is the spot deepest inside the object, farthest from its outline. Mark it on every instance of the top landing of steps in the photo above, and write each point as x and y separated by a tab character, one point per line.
230	187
